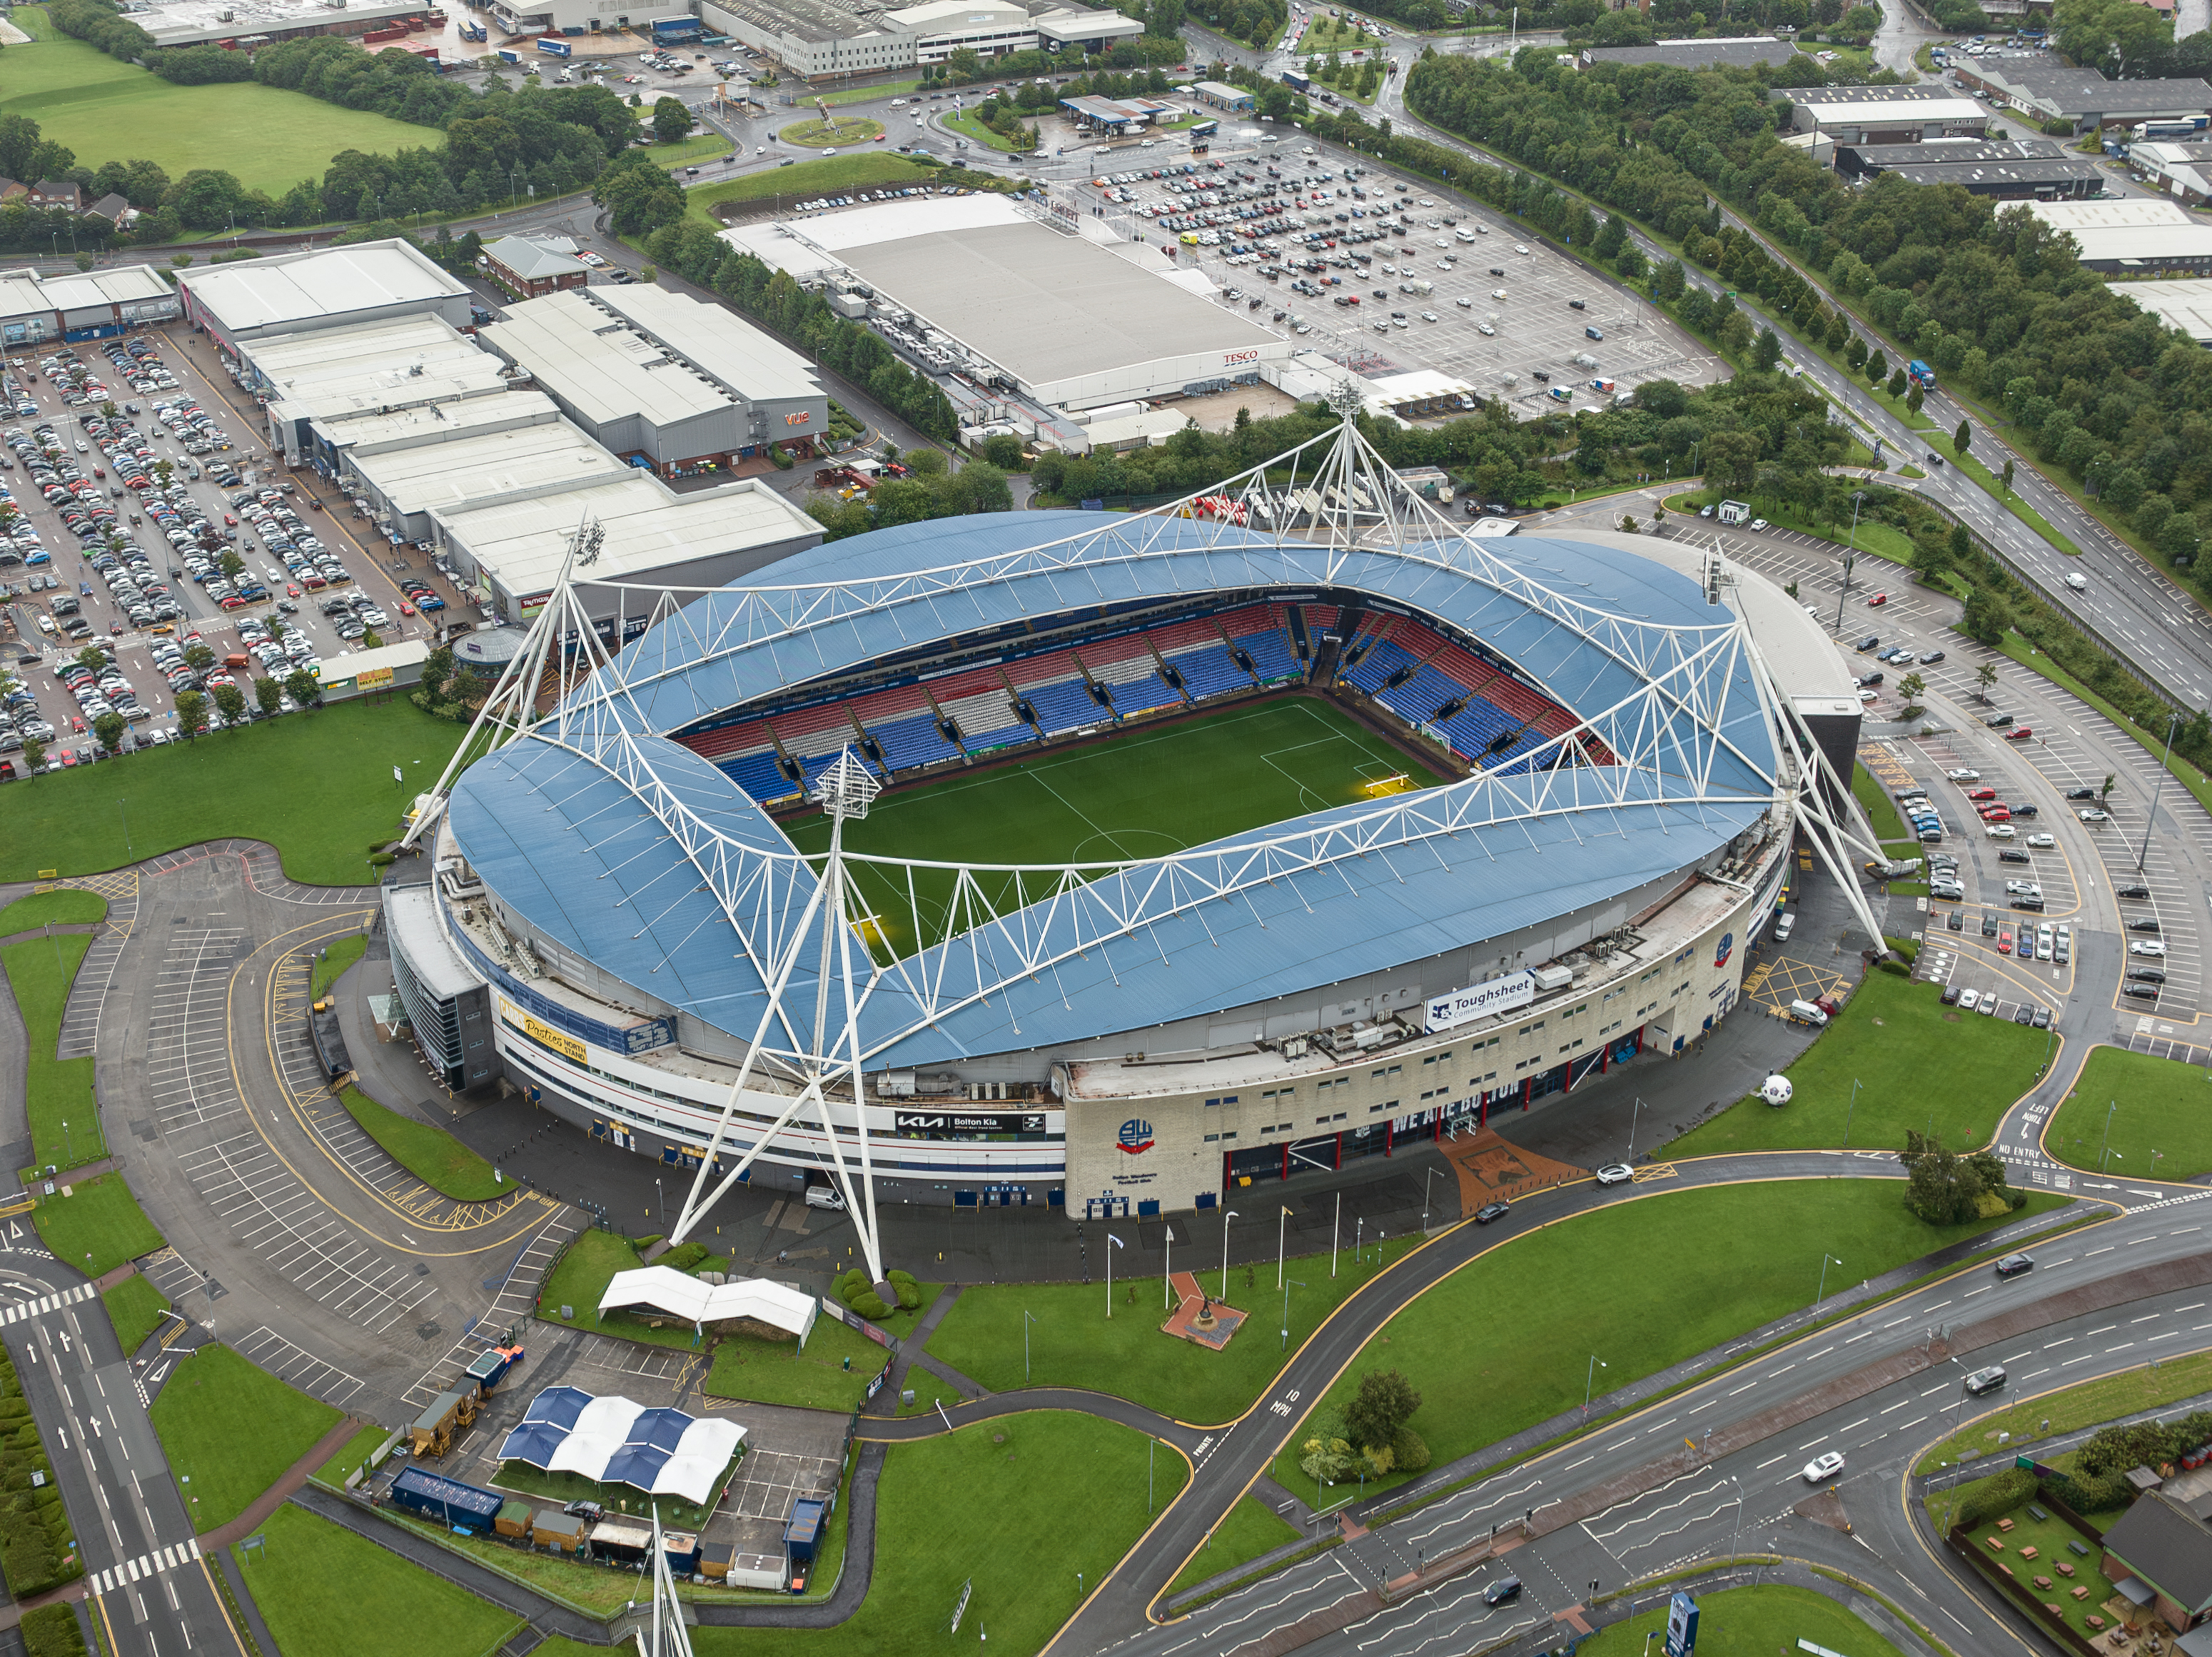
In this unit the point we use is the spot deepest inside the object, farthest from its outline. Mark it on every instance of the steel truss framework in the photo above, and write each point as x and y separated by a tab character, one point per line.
1677	744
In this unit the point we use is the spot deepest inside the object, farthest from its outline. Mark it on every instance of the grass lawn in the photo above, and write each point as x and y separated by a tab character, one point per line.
839	130
832	1373
803	181
431	1155
64	906
1129	798
353	1453
231	1430
336	959
988	1503
1251	1529
2089	1405
864	94
2165	1107
105	109
1881	809
1751	1623
1074	1344
1918	1063
98	1226
136	1308
327	1592
58	1090
970	125
317	787
2049	1537
1712	1262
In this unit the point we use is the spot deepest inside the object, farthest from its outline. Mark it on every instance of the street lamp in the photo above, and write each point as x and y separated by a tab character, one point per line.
1589	1380
1851	554
1289	1283
2105	1145
1826	1260
2171	724
1632	1115
1116	1243
1427	1175
1028	1318
1227	1215
1849	1111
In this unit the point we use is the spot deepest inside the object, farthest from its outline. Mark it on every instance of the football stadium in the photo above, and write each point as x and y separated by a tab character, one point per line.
1113	862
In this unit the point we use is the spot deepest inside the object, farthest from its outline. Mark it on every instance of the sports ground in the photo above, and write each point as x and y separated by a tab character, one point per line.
1152	791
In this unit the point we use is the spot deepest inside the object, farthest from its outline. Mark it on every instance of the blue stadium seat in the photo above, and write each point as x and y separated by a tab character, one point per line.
1372	670
1063	706
1004	737
758	774
1418	699
1271	655
1136	696
1210	670
913	740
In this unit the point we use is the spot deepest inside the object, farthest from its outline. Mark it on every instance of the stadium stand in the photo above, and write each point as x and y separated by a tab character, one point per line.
1053	684
1262	632
1127	667
905	728
746	754
979	703
815	736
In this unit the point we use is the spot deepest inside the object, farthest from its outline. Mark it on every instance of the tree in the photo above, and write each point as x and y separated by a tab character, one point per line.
1897	383
1985	618
1855	353
1767	352
1985	679
109	727
1325	1460
199	657
1964	436
1877	368
34	756
191	713
2005	476
304	688
671	120
230	702
268	695
2105	792
1946	1189
1385	1401
1627	524
1911	687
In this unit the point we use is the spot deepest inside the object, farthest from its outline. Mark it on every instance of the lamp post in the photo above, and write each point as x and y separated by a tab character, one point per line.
1849	1111
2105	1145
1027	1320
1850	555
1227	1215
1289	1283
1116	1243
1632	1115
1282	1221
2172	725
1826	1260
1335	1224
1167	1270
1427	1176
1589	1380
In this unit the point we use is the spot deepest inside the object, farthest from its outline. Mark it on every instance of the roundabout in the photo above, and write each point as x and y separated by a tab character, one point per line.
835	133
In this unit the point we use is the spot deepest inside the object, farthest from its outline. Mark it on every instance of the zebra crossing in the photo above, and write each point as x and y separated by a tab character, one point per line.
47	1303
146	1565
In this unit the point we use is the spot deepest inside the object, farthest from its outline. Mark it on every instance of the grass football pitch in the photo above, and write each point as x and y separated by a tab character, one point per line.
1146	793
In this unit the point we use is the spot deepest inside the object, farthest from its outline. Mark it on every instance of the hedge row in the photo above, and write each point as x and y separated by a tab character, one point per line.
34	1531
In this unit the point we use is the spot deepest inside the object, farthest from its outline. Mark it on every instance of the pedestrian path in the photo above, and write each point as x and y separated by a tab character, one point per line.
146	1565
46	1303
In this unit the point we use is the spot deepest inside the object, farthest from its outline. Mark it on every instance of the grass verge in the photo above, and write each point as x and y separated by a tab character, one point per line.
65	906
970	125
136	1308
97	1227
802	180
833	1373
1880	810
57	1093
431	1155
354	1453
1713	1261
2106	1399
2162	1129
1074	1344
842	130
325	1592
336	959
230	1431
1749	1623
318	788
988	1505
1251	1529
1912	1064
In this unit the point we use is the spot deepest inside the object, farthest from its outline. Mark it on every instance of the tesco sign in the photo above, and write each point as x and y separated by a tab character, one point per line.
1230	359
1479	1001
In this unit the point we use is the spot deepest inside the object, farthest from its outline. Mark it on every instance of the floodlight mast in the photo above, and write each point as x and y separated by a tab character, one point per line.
666	1634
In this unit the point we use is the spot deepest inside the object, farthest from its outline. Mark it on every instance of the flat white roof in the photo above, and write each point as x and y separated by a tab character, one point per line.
334	372
647	527
1917	109
304	287
485	467
439	422
713	338
2149	231
234	18
2186	304
2109	214
25	292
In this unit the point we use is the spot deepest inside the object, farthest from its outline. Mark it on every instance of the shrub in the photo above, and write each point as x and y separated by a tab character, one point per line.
684	1257
909	1292
1993	1497
869	1305
1409	1451
52	1631
848	1284
383	859
2093	1493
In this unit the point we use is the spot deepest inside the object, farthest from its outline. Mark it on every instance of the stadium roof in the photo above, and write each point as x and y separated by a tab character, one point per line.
691	897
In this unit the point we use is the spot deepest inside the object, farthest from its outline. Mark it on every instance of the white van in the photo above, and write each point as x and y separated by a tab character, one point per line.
824	1196
1785	926
1802	1012
2075	579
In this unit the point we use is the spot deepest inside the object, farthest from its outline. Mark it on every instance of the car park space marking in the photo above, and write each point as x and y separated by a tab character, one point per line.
294	1364
95	974
511	1308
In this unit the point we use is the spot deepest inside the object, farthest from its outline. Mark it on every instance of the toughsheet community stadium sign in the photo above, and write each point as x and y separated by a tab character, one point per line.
1479	1001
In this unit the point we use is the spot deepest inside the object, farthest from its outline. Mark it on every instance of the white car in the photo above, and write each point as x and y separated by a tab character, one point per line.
1969	1000
1615	1173
2092	815
1821	1469
594	259
2002	831
1464	304
1964	777
2149	947
1484	328
1757	523
2040	841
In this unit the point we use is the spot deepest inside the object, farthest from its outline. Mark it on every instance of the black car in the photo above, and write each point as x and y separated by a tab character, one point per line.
1483	1216
2081	794
2042	1019
1957	921
2132	891
2025	811
1950	996
2023	1013
2147	974
2013	854
1503	1593
1867	681
1989	926
2015	1265
1868	642
2145	925
1577	305
590	1510
1929	658
2146	991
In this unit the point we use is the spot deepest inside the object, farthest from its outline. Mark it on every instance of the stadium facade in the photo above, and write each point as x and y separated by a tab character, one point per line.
618	925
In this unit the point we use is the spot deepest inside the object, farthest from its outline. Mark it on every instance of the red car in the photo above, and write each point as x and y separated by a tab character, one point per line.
2004	941
1997	815
2020	734
405	608
68	757
1981	794
1876	600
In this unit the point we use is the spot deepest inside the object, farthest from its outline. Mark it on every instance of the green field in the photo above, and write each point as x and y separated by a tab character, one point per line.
1919	1063
1251	1529
1152	791
327	1592
803	181
841	132
990	1504
1074	1344
2162	1129
832	1373
136	1308
431	1155
335	959
354	1453
230	1431
64	1118
1749	1623
317	787
97	1227
64	907
1653	1279
107	110
970	125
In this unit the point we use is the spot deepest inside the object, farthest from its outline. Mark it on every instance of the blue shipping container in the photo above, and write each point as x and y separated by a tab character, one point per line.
445	1500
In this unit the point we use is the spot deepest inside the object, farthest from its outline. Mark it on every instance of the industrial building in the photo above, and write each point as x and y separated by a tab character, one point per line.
408	476
320	288
973	284
311	385
671	379
2143	237
534	266
2013	170
1884	114
2081	98
37	310
829	40
2183	302
1753	51
2183	169
251	23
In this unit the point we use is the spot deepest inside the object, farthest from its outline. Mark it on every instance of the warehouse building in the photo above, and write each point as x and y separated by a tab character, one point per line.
324	287
2185	304
971	284
251	23
1077	28
311	384
2183	169
404	483
2133	237
2081	98
829	40
37	310
2007	170
679	383
1755	52
1884	114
